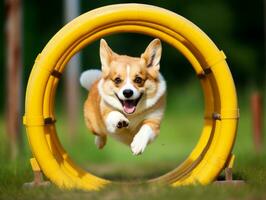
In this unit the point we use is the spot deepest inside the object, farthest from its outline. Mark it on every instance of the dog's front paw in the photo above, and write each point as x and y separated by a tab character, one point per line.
115	120
142	139
138	145
122	123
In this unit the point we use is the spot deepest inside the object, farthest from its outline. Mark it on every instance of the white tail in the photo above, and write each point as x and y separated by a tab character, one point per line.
88	77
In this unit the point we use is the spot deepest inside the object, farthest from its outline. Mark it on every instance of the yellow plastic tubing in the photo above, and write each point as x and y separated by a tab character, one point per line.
214	147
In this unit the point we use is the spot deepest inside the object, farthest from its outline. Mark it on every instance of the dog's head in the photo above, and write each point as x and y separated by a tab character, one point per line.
131	84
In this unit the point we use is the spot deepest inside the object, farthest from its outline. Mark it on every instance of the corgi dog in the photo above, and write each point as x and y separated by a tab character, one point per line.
126	98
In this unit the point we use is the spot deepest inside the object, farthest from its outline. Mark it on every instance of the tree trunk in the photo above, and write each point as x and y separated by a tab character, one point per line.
13	75
72	87
257	120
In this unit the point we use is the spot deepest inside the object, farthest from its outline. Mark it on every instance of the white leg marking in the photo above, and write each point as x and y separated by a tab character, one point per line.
100	141
142	139
115	120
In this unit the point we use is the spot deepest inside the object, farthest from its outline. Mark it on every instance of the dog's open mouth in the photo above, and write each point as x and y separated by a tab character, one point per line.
129	106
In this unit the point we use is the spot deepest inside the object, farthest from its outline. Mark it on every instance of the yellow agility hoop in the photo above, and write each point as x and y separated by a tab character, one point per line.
214	147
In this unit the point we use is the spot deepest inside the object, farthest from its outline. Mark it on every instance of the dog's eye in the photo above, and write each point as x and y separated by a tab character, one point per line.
138	80
117	80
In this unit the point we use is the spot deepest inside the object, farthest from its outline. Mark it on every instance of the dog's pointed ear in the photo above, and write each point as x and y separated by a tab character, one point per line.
152	54
106	55
152	57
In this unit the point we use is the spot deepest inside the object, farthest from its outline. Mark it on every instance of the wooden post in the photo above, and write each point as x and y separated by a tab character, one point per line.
257	120
72	86
13	74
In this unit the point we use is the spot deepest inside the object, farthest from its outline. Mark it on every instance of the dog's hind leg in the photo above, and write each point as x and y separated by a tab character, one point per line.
100	141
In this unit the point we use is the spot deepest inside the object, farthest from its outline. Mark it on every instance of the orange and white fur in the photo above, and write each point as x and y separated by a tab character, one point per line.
126	98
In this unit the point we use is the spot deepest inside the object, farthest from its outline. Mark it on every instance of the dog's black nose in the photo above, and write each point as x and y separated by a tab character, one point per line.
127	93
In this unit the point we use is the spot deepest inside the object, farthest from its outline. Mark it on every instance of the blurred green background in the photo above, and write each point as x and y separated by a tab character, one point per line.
236	27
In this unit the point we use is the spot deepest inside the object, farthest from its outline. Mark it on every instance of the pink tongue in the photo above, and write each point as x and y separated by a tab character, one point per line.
129	107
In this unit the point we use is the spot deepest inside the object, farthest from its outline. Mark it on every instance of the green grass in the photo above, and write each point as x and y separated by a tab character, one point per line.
179	134
11	181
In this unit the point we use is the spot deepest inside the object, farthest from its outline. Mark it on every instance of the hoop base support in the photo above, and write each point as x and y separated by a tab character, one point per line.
37	176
